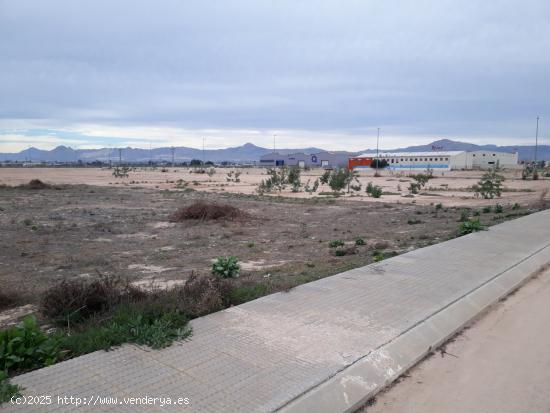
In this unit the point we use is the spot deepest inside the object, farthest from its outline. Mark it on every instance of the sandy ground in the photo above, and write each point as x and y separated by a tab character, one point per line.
448	188
84	231
500	364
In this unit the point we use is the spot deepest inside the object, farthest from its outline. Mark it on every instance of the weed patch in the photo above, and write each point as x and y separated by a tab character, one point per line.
472	225
35	184
204	211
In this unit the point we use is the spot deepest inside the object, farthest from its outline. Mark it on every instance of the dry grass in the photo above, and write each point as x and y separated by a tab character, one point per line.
35	184
204	211
7	300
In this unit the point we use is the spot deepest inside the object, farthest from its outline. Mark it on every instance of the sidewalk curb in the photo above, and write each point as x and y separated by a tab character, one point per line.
352	387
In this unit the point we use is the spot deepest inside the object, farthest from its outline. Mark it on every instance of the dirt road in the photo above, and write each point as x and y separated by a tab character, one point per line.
501	364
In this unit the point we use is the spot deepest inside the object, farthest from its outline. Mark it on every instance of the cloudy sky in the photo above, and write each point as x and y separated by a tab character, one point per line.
313	72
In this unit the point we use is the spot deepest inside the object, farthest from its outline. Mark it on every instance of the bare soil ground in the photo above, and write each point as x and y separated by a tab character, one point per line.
500	364
449	188
113	228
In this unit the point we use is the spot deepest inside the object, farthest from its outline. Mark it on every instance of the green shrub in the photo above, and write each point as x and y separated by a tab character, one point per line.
25	346
464	214
516	206
360	241
336	243
489	186
472	225
226	267
439	206
498	209
413	221
374	190
487	209
7	390
420	181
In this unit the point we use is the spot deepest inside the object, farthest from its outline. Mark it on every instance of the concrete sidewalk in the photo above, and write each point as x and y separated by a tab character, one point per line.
324	346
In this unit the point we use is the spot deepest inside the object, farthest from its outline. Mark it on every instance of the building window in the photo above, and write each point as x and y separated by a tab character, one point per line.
494	154
415	159
446	159
401	159
483	154
431	159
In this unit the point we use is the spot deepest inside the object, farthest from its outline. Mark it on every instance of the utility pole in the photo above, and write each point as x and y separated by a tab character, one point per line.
274	136
173	150
536	142
120	156
203	152
150	155
377	141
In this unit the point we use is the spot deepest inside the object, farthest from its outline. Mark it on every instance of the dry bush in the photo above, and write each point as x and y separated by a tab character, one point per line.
35	184
78	299
206	211
8	300
202	295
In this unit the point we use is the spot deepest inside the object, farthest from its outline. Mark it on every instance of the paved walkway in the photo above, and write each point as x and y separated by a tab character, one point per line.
501	364
290	350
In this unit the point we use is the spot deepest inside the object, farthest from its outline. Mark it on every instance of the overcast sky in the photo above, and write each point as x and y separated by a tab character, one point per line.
316	73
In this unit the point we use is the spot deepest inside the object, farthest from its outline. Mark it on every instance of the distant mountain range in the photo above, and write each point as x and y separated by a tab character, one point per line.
245	153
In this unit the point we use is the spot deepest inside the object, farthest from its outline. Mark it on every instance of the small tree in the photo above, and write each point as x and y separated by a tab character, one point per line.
277	181
323	179
379	164
374	190
489	186
420	181
121	171
293	178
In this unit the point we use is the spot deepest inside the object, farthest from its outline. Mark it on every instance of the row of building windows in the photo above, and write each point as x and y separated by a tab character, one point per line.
397	160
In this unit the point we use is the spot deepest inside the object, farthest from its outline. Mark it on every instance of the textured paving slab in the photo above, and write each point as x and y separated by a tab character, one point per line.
323	346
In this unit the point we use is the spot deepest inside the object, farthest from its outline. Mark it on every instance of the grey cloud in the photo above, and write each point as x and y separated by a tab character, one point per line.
451	67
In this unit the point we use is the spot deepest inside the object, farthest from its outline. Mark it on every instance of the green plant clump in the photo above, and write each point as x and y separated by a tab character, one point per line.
490	185
7	390
25	346
226	267
374	190
360	241
336	243
145	323
472	225
498	209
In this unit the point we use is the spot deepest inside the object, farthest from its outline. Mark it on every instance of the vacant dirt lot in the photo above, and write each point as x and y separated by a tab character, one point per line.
449	188
120	229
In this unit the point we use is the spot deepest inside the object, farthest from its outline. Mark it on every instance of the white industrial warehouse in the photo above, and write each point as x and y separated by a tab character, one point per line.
445	161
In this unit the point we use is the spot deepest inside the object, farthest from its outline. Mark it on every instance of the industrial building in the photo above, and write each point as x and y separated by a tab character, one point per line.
320	159
440	161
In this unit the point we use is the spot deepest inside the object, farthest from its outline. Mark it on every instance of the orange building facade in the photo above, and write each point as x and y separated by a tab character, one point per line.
362	162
